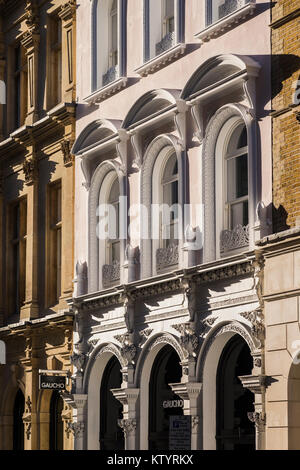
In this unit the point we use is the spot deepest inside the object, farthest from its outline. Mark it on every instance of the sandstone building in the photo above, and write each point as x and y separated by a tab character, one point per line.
37	129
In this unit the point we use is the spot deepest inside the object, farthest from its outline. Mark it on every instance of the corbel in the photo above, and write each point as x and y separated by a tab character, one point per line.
198	121
137	144
122	148
180	121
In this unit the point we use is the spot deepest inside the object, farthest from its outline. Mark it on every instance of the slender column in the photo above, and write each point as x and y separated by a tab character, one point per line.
30	307
257	385
68	18
129	399
67	218
190	393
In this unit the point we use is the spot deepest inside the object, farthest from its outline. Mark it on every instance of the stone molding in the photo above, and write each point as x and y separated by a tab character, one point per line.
161	60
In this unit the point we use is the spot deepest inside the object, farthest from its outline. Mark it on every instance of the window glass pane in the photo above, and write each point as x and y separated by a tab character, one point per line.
115	252
237	174
239	214
238	140
221	8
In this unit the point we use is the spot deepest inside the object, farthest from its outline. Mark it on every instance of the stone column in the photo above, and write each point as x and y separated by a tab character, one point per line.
78	403
67	15
67	213
129	399
257	385
30	308
190	393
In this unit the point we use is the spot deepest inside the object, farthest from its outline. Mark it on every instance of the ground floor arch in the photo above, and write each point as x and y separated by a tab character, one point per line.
18	425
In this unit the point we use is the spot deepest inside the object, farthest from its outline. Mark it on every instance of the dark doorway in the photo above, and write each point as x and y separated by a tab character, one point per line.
166	369
111	435
56	422
234	430
18	431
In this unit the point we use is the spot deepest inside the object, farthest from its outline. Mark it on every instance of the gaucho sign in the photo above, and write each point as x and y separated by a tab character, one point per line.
52	382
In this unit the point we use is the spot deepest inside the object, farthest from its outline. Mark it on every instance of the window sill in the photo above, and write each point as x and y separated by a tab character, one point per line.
106	91
159	61
221	26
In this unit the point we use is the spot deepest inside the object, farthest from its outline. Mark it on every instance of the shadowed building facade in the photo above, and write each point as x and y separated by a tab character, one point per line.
37	44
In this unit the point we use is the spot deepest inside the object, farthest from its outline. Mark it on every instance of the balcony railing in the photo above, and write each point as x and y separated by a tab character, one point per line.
110	273
216	12
234	239
166	257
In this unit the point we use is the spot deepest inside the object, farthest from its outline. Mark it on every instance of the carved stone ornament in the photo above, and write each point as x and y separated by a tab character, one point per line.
256	319
258	418
66	146
30	171
128	426
144	334
68	10
76	429
188	339
110	273
195	421
31	17
27	417
128	349
233	239
166	257
189	297
205	325
78	360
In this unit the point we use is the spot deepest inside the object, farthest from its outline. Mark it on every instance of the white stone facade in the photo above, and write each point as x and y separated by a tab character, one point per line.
185	101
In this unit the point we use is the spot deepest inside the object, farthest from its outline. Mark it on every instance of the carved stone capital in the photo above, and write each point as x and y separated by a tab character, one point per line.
258	418
128	426
128	349
196	420
77	429
30	171
66	146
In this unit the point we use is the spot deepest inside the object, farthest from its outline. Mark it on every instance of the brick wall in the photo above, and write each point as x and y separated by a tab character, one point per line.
286	128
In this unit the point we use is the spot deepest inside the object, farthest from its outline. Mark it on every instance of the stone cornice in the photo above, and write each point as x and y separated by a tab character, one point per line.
227	22
172	282
62	115
161	60
106	91
56	320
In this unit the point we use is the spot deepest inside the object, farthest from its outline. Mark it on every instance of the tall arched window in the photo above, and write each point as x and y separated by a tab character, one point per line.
108	41
169	222
113	242
232	183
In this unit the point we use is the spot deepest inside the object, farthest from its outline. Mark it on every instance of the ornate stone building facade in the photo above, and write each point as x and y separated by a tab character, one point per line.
171	327
37	44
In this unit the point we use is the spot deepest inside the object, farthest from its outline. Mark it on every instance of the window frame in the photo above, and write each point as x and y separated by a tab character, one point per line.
54	60
53	239
98	67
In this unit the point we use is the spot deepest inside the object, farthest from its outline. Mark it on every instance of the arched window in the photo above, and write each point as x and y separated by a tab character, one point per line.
169	220
163	23
109	245
113	241
232	182
108	41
